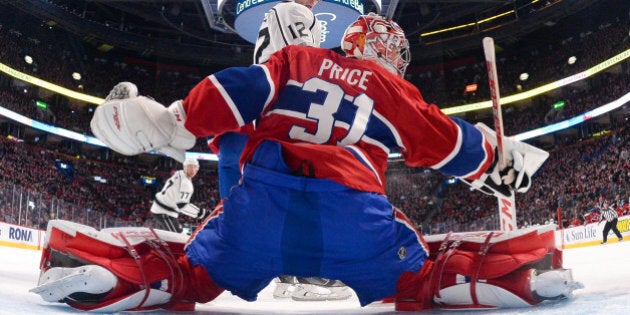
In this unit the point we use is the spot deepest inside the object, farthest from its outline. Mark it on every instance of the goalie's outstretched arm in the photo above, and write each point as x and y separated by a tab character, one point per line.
130	124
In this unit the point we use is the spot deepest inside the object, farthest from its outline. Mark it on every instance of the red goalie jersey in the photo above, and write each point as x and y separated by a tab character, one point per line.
303	97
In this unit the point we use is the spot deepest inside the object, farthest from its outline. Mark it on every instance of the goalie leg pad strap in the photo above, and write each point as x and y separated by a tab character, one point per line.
414	291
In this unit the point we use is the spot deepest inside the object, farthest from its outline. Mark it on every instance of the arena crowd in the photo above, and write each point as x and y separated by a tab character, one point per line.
103	189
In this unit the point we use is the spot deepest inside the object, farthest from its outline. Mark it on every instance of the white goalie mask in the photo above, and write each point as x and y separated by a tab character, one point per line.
375	38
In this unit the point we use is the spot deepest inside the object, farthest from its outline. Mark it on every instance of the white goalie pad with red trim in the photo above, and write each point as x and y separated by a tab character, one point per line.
143	260
498	269
516	247
110	236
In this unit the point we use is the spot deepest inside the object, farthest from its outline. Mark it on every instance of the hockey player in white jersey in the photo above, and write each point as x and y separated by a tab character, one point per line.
174	198
287	23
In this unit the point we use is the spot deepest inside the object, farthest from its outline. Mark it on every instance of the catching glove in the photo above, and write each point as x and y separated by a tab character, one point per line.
522	161
138	124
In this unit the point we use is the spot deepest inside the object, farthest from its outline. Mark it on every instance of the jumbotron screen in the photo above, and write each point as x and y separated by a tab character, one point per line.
334	16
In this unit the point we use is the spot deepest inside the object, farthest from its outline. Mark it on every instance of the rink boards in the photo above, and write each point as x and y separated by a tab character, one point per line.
21	237
585	235
590	234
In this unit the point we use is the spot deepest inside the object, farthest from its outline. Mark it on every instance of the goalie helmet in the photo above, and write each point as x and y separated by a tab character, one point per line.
375	38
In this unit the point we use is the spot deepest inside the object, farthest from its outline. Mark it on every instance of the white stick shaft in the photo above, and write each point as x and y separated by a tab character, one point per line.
507	206
507	213
391	9
493	80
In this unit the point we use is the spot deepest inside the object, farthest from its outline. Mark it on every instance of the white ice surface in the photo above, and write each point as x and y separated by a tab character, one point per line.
604	270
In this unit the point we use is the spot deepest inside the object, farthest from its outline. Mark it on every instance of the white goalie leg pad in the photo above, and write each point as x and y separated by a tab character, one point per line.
554	284
105	254
490	296
68	228
155	297
136	235
312	292
111	236
57	284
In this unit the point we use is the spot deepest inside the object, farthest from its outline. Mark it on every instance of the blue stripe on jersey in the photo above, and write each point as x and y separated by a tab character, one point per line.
471	153
250	103
294	98
379	131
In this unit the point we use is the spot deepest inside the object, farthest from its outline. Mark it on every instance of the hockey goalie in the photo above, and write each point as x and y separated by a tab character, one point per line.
311	200
135	269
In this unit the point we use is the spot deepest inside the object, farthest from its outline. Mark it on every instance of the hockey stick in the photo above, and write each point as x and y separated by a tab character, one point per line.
507	207
391	8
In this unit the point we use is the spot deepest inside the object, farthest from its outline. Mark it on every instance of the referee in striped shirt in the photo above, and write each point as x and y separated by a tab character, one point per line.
610	215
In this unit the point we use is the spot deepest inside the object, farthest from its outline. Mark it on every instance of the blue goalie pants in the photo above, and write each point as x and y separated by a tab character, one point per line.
275	223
